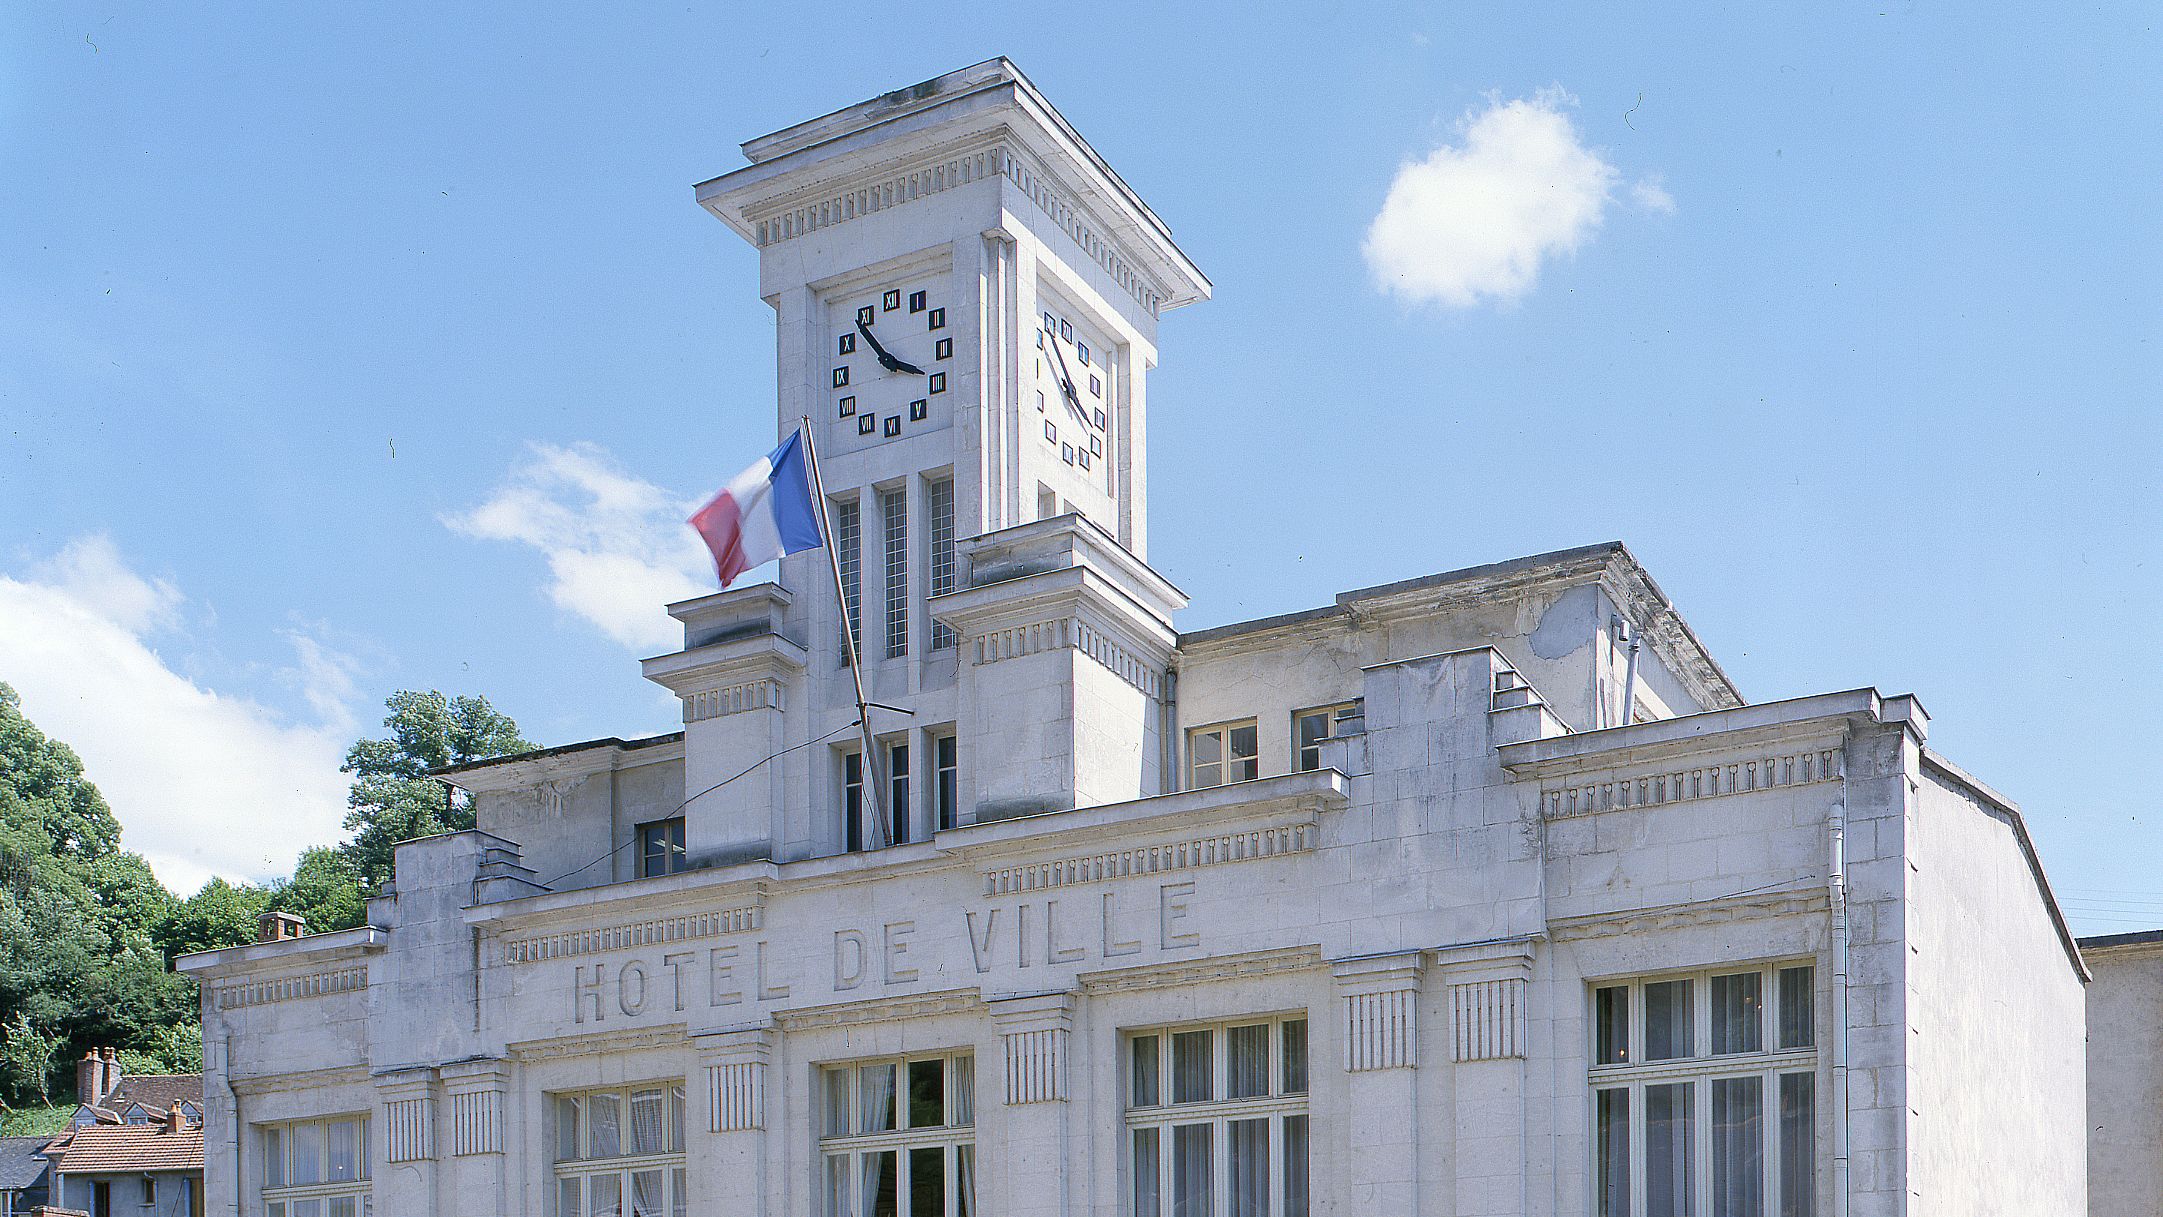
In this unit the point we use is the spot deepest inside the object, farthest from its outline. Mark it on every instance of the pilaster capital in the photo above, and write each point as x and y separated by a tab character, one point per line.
1391	973
409	1113
1497	959
1034	1030
735	1063
1381	1009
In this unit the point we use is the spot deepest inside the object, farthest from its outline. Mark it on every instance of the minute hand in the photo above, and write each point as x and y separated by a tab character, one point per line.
1066	382
886	360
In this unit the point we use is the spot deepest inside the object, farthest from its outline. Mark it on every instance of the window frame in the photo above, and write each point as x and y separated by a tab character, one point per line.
941	564
846	527
672	1163
850	781
275	1142
954	1140
1700	1072
894	568
674	858
1332	714
1222	733
1278	1105
945	780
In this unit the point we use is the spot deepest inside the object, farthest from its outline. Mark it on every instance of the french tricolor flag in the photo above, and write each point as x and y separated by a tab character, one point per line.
764	513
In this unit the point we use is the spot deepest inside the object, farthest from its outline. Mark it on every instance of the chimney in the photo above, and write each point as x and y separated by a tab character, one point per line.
175	1118
111	1081
278	927
90	1079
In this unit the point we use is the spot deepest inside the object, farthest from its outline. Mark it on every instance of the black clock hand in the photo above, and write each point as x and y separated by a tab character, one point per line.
886	360
1066	382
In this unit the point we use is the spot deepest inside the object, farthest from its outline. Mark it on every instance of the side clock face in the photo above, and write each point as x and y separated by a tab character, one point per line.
892	351
1074	394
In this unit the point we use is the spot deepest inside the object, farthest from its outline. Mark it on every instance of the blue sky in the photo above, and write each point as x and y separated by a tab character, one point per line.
1852	335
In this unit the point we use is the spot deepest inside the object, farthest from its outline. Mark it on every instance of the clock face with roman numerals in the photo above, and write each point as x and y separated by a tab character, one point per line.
890	361
1073	368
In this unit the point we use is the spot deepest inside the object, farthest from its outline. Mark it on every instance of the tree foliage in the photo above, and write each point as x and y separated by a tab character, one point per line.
393	798
88	933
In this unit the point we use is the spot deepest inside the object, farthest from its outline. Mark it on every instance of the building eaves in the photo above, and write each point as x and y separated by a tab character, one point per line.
542	754
2133	938
104	1149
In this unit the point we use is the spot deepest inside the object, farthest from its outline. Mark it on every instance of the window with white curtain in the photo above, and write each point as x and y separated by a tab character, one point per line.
1217	1119
316	1168
1704	1094
897	1137
619	1153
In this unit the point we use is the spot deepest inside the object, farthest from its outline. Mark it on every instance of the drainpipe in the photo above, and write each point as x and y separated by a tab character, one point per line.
1169	779
1836	885
1629	680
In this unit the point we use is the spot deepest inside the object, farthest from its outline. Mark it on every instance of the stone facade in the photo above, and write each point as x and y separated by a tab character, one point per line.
2125	1074
1480	893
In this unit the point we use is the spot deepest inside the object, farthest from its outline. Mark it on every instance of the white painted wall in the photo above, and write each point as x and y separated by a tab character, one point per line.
2125	1076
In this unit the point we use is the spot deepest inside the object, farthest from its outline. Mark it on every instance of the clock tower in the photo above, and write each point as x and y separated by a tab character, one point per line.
967	299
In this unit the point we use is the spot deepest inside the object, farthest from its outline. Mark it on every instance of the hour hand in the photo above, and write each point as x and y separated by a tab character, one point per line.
886	358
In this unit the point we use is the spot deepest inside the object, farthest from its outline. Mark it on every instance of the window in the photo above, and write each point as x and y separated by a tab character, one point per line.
848	551
1224	753
660	848
619	1153
1704	1095
897	790
150	1189
852	801
316	1168
1311	727
939	496
894	511
897	1137
946	780
1217	1120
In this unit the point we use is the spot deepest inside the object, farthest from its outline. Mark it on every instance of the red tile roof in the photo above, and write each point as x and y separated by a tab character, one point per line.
117	1149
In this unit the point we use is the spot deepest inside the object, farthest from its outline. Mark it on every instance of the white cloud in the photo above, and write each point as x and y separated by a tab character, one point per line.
1473	222
204	783
1650	193
617	546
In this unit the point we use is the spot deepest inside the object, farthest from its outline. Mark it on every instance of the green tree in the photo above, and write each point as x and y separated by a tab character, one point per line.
27	1056
47	778
393	799
325	890
223	914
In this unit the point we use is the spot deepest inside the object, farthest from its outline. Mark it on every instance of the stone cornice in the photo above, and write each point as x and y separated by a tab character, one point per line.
300	1079
1723	910
1186	853
272	990
1822	720
311	950
599	1043
1198	971
652	931
572	761
910	143
889	1009
720	664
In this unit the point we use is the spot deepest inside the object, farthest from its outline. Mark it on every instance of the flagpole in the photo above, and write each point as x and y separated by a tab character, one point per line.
872	780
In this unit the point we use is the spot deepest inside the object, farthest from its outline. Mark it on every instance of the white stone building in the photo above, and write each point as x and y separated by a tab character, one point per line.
1480	893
